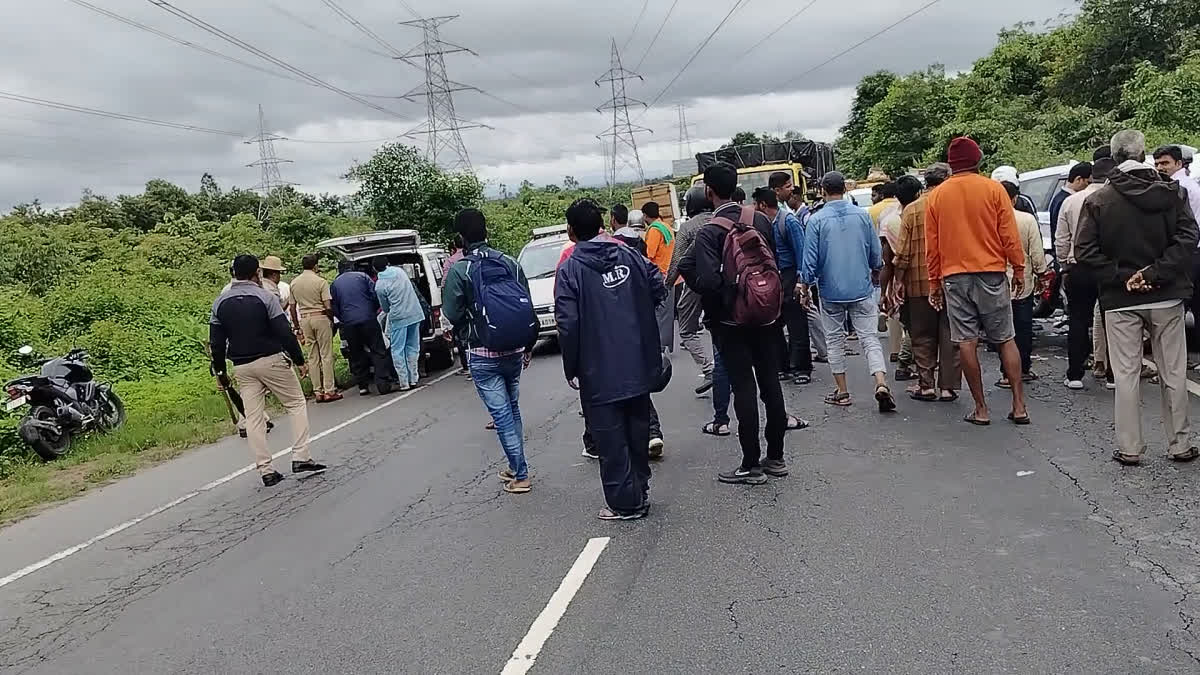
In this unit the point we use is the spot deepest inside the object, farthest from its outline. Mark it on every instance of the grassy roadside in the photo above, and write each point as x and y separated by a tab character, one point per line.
166	417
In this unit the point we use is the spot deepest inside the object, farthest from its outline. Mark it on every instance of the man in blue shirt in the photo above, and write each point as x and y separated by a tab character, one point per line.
843	254
356	307
795	355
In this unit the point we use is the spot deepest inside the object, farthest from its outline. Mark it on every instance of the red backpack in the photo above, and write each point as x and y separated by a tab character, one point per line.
748	264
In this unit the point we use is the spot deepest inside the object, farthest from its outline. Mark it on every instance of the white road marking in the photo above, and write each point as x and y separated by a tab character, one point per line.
1022	474
531	645
68	552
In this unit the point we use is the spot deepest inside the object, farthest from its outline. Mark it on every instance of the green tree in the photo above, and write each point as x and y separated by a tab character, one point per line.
900	128
401	189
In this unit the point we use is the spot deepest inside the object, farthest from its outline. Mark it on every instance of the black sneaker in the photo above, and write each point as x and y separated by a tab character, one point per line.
753	476
272	479
775	467
364	391
705	385
307	467
820	359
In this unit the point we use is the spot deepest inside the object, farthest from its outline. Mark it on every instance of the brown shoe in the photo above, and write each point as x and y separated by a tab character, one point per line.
330	398
518	487
1186	456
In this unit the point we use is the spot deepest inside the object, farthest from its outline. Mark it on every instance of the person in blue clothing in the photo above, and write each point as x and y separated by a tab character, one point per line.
843	254
795	355
399	301
606	297
356	307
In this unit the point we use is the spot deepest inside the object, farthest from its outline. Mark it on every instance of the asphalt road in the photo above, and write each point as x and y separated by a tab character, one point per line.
912	543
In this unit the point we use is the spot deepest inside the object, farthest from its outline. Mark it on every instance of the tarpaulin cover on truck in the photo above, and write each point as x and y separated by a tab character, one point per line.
816	157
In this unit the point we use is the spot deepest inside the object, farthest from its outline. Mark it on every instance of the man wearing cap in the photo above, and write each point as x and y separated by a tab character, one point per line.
971	240
1008	174
272	279
248	327
312	305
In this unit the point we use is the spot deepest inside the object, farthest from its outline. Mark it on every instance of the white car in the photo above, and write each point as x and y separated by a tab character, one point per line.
539	261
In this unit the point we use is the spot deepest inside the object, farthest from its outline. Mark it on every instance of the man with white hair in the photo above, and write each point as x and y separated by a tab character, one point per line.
1137	234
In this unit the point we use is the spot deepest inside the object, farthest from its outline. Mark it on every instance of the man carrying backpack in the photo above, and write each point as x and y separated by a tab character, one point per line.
605	298
733	269
487	297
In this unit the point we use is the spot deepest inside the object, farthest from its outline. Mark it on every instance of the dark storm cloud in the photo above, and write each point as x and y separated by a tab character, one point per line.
537	60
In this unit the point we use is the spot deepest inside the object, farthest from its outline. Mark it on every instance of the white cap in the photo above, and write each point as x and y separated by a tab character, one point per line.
1006	174
636	219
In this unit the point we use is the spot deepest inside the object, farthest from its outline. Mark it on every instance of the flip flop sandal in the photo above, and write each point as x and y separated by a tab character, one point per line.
1185	456
795	424
840	399
714	429
1004	384
948	399
1019	421
1030	377
970	419
1126	460
883	395
803	379
920	396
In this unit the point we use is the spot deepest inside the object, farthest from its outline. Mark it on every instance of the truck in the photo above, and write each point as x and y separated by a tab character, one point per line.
755	163
663	194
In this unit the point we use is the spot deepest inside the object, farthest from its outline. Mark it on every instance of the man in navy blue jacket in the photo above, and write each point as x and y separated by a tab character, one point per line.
606	296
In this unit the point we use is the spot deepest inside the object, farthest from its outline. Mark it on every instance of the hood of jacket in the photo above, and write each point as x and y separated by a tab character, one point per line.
599	255
1145	189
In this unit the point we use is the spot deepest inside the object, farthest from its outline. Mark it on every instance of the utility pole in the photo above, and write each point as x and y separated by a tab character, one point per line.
624	145
442	127
685	136
270	184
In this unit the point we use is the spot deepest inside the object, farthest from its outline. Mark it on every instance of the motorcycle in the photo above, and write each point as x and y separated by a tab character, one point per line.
64	400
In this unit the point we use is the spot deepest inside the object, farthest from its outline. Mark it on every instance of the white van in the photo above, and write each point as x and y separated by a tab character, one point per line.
422	263
539	262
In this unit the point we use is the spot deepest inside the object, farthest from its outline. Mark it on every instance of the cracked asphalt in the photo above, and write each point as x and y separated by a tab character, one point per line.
904	544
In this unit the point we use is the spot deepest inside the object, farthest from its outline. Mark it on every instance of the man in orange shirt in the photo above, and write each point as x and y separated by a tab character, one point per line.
660	244
971	239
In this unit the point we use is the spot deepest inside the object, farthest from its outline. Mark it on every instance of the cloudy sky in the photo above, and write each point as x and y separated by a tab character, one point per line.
537	62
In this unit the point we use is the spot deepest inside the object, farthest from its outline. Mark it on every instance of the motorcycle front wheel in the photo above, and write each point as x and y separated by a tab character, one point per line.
47	445
112	410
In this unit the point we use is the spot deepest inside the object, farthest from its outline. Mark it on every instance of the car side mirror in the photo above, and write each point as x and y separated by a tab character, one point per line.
25	351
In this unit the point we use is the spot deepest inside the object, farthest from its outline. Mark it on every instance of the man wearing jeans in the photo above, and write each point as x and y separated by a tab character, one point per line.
1137	235
497	375
248	327
843	254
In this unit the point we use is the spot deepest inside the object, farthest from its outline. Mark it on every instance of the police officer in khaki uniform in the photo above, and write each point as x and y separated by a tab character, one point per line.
311	306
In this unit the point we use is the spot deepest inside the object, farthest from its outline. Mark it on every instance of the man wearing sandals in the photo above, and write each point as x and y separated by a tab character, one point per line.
1137	235
843	254
970	241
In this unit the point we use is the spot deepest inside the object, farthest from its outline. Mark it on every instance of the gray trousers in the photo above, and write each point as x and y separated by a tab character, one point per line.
1169	343
688	310
816	329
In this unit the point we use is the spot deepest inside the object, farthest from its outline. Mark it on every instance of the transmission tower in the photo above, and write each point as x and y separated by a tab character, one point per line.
442	126
271	182
685	136
624	145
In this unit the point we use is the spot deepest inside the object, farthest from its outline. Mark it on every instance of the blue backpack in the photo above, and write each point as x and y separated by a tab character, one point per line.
502	317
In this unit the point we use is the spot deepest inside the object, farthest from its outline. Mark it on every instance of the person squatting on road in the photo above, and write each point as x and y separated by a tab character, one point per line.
606	299
971	239
400	301
1137	236
356	307
313	305
843	254
487	295
248	327
733	269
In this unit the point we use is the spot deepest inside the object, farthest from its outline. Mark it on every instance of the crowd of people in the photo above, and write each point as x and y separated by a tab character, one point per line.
942	261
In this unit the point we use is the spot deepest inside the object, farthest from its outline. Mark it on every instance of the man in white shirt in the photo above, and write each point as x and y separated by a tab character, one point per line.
1169	161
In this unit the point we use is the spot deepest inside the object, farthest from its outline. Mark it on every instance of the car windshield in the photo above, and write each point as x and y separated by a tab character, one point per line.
540	261
1041	190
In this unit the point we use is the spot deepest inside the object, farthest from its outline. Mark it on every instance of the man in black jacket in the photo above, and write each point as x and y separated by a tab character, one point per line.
1137	235
248	327
605	300
750	353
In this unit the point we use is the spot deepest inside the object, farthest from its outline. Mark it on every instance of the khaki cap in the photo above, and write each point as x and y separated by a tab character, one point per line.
272	263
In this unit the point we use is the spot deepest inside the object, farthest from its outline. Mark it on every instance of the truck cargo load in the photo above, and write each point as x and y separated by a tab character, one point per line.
814	156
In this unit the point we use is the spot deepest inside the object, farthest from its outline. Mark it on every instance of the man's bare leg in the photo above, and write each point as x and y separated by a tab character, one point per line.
840	380
1010	361
970	367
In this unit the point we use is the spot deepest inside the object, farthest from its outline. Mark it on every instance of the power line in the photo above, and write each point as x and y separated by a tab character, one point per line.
860	43
645	4
778	28
321	31
113	115
361	27
736	5
656	34
237	42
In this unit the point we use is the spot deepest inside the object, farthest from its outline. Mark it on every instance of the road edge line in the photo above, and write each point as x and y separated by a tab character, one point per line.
526	653
116	529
